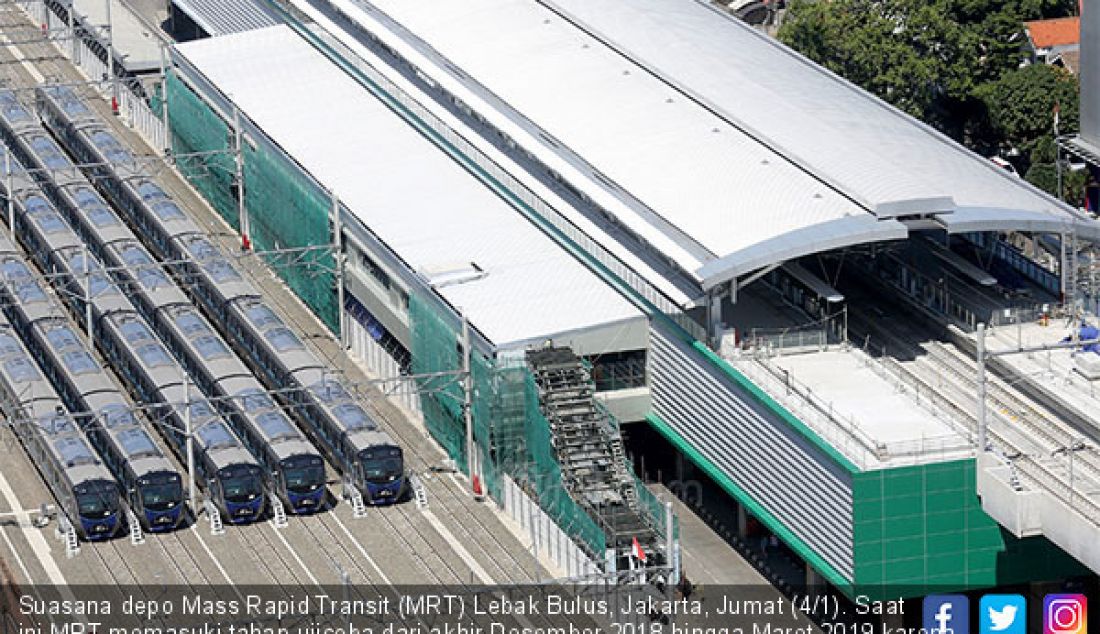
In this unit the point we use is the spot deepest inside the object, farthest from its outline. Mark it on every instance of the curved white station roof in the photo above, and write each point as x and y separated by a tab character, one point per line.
725	150
424	206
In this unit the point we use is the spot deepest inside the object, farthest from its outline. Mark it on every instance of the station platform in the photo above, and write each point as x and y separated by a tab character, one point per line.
1051	374
137	43
855	403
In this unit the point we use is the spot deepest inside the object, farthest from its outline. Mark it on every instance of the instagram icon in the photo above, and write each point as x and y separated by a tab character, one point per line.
1065	614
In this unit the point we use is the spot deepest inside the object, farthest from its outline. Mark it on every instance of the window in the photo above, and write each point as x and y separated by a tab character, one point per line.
22	370
63	337
283	340
153	355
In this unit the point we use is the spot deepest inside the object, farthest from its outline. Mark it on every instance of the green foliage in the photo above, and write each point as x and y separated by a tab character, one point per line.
1021	103
951	63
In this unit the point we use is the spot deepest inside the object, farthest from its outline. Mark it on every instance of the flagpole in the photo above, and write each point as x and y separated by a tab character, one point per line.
1058	151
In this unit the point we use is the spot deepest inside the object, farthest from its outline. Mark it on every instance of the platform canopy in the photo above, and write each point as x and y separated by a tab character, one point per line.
717	145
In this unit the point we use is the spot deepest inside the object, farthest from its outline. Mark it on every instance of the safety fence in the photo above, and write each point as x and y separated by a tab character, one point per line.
85	46
546	536
368	348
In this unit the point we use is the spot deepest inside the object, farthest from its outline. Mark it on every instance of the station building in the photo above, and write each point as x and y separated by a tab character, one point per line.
611	177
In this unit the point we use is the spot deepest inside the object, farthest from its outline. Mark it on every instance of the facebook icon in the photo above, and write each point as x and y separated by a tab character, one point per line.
946	614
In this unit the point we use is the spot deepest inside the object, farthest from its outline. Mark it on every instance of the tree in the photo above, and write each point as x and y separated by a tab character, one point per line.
1020	105
930	58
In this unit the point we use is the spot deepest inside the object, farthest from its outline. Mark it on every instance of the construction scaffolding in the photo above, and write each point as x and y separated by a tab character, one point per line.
574	468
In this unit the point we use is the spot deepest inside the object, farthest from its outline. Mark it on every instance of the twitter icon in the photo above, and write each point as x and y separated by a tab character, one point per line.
1003	614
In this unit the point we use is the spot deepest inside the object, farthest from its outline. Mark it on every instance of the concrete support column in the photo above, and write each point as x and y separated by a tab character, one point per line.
714	316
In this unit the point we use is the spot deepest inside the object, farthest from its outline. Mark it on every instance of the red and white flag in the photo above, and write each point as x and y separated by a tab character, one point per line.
638	553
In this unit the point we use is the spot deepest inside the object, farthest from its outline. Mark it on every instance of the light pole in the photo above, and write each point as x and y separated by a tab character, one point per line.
1069	450
983	356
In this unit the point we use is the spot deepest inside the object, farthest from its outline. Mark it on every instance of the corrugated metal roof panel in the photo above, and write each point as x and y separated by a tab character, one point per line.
722	133
418	201
221	17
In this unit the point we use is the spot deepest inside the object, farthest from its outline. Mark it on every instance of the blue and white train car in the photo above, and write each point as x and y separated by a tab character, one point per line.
83	487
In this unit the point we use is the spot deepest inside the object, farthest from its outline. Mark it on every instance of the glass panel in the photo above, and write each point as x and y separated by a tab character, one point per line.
221	271
262	317
69	102
329	391
22	370
254	400
48	152
74	451
201	410
216	436
13	110
211	348
49	222
153	355
276	426
30	292
148	272
352	417
190	323
9	345
283	340
116	416
150	191
62	337
134	331
79	362
110	147
135	442
166	210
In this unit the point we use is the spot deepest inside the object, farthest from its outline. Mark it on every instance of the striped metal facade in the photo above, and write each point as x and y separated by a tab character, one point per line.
805	490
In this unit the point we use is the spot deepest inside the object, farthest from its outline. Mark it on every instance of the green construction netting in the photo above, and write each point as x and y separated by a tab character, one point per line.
286	209
510	432
544	477
435	349
200	140
156	100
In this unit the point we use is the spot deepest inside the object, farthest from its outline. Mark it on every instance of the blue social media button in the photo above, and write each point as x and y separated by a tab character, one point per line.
946	614
1003	614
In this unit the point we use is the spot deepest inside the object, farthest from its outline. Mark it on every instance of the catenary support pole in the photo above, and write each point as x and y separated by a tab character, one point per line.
87	292
72	32
238	161
467	397
10	185
111	75
338	256
164	102
190	442
982	414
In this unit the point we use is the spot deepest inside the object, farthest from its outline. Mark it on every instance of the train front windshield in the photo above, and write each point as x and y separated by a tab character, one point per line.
241	485
382	464
97	500
161	492
304	474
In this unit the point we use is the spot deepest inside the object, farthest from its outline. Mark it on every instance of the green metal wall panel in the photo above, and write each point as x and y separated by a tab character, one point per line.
921	529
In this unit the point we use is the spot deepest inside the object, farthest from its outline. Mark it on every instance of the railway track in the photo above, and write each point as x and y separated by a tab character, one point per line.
937	367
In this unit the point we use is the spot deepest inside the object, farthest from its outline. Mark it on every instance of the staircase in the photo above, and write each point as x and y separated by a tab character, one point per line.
588	447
